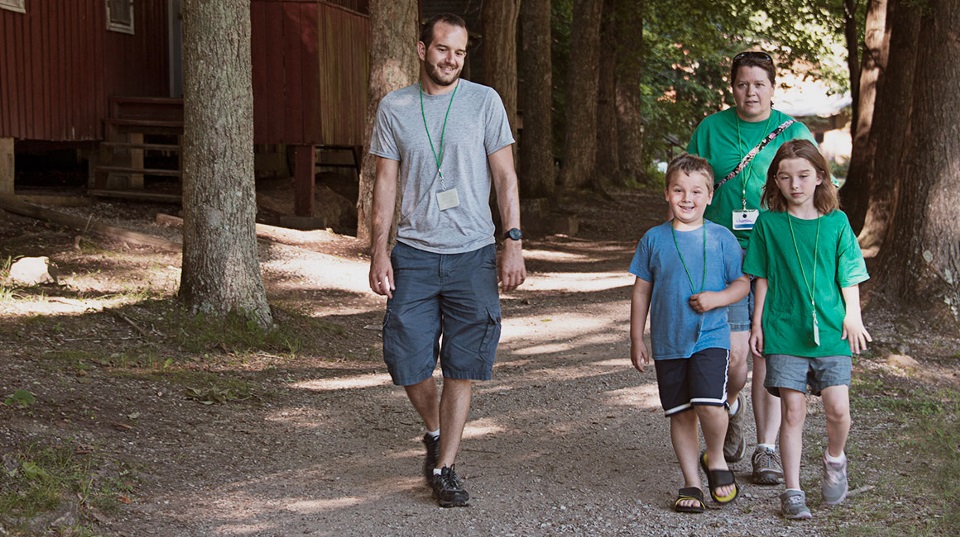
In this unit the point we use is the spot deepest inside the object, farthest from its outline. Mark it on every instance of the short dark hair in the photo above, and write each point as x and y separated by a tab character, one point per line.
753	58
825	197
426	30
687	163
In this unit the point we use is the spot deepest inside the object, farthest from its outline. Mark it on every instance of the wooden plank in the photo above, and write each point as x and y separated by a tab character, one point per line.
311	74
16	76
135	195
36	46
7	166
293	81
275	77
165	172
6	68
261	89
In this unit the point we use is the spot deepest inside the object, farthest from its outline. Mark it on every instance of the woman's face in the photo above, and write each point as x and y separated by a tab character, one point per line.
753	92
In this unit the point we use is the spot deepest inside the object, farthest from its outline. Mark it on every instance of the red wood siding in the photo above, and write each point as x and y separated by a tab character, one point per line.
310	68
59	63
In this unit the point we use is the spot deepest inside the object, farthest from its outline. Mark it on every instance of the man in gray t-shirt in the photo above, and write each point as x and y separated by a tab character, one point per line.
443	142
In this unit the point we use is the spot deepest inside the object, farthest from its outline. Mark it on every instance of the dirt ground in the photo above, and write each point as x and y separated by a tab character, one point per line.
568	439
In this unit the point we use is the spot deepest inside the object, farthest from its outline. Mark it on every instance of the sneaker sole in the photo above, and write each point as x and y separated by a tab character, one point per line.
454	503
741	451
767	478
806	515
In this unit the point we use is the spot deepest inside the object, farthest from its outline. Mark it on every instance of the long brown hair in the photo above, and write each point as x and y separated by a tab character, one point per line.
825	197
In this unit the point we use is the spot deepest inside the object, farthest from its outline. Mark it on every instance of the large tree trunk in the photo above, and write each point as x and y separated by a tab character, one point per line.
500	52
580	146
891	122
537	172
608	154
920	265
630	66
393	64
221	270
855	194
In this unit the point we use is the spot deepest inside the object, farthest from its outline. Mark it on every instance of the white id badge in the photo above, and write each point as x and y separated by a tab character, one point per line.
448	199
744	219
816	330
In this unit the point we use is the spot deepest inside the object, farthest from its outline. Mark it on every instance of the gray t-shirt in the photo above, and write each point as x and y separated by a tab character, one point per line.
476	127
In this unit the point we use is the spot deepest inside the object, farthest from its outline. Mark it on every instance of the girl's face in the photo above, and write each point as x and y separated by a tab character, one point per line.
753	93
797	180
688	196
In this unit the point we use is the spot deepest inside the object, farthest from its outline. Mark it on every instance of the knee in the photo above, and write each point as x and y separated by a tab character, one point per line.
793	415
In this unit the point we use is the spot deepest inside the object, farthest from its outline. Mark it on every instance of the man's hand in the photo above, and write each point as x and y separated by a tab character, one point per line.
381	275
512	270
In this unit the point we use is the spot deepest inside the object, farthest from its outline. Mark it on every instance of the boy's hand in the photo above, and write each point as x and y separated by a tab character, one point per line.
639	355
756	341
855	333
705	301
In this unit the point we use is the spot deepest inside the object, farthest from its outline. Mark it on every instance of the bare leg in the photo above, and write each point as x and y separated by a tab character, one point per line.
713	422
766	407
737	371
454	409
686	444
836	402
423	397
791	435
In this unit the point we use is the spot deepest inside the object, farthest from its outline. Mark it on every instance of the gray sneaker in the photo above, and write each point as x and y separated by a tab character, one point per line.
735	443
793	505
767	468
834	485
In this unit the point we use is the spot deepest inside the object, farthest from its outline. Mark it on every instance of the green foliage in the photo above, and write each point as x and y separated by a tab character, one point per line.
35	480
20	398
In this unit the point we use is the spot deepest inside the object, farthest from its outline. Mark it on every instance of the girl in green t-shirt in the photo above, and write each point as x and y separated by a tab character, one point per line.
806	320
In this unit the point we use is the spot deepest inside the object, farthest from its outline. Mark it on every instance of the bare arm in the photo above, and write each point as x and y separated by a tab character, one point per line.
853	330
708	300
756	328
384	204
512	270
639	306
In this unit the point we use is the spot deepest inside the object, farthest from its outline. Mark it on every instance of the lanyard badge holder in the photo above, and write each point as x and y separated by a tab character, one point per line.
446	198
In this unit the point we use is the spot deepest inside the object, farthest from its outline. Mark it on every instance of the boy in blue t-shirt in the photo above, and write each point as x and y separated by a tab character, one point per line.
688	271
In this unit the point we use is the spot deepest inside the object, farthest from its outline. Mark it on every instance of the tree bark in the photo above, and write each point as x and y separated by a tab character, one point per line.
855	194
580	146
608	154
500	52
851	35
537	171
630	66
393	65
920	266
221	270
891	122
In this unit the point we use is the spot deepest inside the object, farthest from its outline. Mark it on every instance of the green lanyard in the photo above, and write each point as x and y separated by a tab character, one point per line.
438	158
743	182
703	277
810	288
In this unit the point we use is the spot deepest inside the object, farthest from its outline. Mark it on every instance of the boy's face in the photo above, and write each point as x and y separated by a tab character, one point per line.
688	196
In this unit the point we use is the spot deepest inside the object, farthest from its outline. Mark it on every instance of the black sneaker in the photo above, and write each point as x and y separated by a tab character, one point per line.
433	455
447	488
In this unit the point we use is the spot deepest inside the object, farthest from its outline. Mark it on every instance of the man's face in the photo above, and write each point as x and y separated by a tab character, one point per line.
443	59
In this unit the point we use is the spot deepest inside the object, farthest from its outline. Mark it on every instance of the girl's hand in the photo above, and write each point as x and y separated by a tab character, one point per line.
705	301
756	341
639	355
855	333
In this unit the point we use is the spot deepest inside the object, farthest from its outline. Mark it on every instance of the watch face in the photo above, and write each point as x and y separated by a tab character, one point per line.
514	234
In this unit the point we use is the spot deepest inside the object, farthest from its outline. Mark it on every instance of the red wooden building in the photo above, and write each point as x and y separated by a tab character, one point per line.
101	75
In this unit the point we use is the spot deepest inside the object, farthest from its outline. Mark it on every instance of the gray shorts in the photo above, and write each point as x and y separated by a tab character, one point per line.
798	372
450	295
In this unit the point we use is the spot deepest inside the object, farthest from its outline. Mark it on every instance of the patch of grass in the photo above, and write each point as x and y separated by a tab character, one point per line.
914	469
35	481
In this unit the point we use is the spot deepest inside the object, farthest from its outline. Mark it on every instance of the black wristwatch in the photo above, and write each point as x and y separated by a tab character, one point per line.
513	234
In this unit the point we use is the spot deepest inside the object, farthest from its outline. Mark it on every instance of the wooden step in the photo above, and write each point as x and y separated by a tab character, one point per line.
145	123
147	147
138	171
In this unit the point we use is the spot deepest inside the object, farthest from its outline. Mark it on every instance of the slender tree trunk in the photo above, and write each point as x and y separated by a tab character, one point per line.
580	146
608	154
853	61
500	52
393	64
537	171
630	66
891	122
855	194
920	265
221	270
